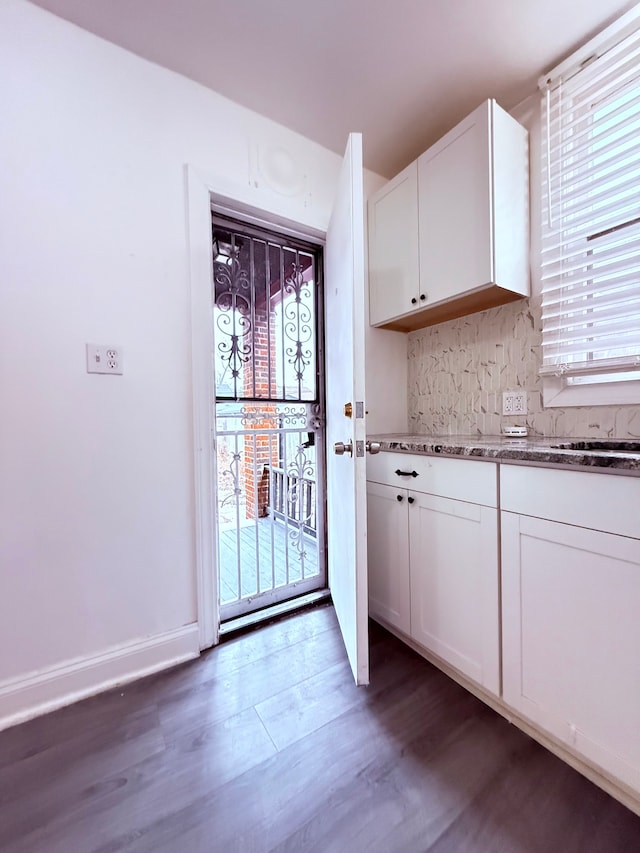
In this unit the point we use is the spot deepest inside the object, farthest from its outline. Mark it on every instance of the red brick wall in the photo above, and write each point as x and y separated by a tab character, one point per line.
265	451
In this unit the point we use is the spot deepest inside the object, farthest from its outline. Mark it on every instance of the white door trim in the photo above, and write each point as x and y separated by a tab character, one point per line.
198	215
201	192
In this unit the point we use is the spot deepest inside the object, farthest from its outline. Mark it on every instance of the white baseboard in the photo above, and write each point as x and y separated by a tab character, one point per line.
40	692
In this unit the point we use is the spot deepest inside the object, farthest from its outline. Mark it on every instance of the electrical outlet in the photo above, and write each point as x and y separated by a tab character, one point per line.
514	402
520	403
104	359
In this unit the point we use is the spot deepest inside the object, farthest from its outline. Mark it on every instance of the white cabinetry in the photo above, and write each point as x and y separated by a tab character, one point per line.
388	550
570	595
570	605
472	222
453	555
393	247
440	584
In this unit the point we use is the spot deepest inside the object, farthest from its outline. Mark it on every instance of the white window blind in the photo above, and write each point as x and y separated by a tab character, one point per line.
591	215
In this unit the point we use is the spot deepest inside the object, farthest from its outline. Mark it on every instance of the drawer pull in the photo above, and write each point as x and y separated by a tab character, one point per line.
406	473
411	500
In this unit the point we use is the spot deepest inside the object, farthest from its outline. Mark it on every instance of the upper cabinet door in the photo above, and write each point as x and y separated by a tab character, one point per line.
454	183
393	247
472	222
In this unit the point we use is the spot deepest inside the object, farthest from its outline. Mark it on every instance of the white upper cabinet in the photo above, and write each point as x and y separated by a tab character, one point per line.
455	210
472	226
393	247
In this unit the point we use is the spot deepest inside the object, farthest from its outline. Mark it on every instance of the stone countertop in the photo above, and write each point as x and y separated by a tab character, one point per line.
607	454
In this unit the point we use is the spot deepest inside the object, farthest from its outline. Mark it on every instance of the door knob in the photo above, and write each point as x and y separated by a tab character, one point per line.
373	447
340	448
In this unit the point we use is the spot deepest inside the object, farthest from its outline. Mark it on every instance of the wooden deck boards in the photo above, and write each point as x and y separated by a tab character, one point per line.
262	544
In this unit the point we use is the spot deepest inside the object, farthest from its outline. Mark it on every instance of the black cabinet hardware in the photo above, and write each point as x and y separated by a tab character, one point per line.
411	500
406	473
399	498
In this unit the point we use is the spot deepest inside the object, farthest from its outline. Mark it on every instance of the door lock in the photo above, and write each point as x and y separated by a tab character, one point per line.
340	448
373	447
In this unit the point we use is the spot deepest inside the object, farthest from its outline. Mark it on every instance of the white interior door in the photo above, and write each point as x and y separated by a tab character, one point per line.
345	383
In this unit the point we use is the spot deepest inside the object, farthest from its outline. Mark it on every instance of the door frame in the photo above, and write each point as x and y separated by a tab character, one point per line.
201	192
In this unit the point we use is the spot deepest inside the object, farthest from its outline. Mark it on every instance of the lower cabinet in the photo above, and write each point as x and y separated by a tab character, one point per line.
433	559
453	559
542	611
570	616
388	555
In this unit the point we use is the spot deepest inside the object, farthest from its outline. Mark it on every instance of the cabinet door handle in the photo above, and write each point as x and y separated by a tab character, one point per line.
406	473
411	500
399	498
423	296
414	301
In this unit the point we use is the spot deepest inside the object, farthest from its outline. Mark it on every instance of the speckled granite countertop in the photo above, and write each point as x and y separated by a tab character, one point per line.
616	455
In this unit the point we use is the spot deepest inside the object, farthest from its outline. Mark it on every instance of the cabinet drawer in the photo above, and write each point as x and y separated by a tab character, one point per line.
460	479
606	502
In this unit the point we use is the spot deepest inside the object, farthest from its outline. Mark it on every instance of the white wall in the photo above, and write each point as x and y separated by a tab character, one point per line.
96	472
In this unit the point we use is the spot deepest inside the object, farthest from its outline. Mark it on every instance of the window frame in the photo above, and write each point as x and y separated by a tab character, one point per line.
559	390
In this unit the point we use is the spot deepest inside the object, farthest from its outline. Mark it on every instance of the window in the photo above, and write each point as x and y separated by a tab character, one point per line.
591	223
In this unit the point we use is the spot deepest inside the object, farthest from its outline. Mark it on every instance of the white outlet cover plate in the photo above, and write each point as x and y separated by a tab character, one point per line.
105	358
514	402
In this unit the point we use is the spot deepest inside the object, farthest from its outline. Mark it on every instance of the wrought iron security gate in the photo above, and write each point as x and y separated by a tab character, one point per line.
269	417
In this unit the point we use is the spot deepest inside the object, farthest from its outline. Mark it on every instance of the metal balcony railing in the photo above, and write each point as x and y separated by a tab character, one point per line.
293	499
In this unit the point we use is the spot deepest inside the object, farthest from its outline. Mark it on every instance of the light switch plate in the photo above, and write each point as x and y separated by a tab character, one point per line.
104	359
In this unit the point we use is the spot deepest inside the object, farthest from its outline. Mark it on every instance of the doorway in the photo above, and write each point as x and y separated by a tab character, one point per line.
269	417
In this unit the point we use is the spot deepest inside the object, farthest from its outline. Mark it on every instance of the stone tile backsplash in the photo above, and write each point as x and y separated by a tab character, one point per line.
458	371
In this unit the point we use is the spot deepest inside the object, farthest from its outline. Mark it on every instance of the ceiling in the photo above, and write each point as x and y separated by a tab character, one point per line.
402	72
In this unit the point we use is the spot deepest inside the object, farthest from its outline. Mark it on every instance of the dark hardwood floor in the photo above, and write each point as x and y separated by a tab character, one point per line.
265	744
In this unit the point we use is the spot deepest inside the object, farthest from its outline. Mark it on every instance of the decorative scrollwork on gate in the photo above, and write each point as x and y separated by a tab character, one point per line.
230	480
298	321
301	476
232	286
275	416
265	295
